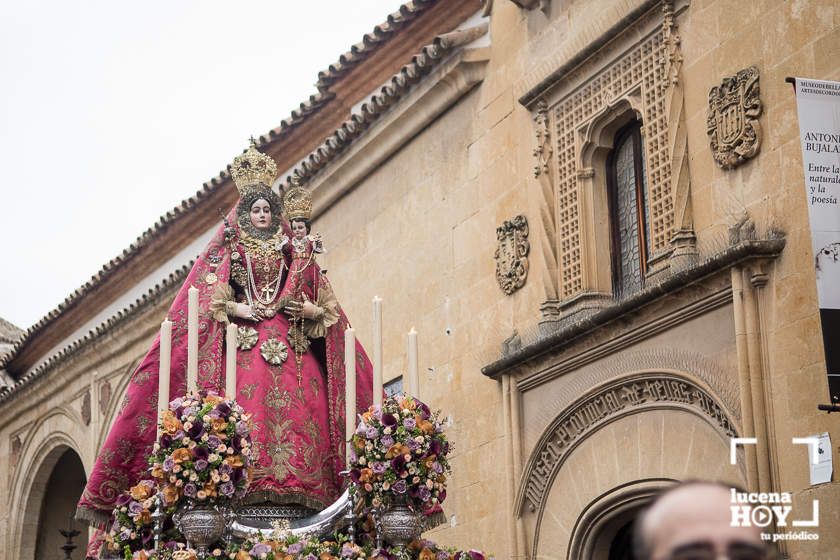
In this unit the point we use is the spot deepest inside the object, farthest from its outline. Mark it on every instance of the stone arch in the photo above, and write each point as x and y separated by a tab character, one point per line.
117	395
615	413
45	446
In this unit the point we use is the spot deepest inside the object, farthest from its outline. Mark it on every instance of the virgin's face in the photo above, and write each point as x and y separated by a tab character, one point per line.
299	230
261	214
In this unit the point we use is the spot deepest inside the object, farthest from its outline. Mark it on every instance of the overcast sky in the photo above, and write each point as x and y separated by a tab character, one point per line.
114	112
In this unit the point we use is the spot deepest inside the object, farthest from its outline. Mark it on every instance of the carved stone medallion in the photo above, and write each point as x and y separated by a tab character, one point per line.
512	254
86	411
732	121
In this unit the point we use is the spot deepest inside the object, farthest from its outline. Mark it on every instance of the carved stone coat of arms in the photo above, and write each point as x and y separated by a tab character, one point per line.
732	121
512	254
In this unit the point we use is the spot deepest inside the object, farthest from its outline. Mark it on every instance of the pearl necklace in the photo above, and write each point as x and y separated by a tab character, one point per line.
268	299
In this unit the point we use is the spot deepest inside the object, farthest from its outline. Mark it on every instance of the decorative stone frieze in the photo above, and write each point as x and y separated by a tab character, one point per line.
732	120
512	254
615	399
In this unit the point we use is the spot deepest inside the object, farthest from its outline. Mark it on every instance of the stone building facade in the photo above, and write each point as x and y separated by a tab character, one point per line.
609	267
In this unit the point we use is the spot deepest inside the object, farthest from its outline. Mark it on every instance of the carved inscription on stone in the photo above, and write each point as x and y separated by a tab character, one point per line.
732	121
512	254
609	401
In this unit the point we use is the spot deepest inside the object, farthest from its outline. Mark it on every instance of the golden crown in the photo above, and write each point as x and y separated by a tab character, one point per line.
253	168
297	204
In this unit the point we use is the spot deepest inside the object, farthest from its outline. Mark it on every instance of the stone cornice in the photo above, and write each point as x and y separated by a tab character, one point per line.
733	255
440	90
61	357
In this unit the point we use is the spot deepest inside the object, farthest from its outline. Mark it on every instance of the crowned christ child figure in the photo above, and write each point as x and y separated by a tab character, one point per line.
305	282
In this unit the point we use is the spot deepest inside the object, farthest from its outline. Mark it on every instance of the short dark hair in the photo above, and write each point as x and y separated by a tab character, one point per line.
306	223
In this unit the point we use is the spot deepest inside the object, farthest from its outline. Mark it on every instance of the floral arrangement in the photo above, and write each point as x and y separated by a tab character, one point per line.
398	454
204	450
131	528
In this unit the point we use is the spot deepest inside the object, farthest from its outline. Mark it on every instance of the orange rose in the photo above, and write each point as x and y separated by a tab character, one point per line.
140	492
140	555
426	554
157	471
218	425
397	449
213	399
145	517
366	416
234	460
171	424
358	442
181	455
170	494
242	555
325	556
365	475
426	427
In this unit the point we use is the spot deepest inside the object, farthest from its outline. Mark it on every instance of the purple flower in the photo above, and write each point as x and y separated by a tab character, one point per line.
398	463
389	420
190	490
123	499
225	468
387	441
409	423
362	428
213	442
201	464
175	404
354	475
200	453
146	535
227	489
347	550
424	410
196	430
310	556
437	467
294	548
424	493
442	555
168	463
188	411
241	428
179	434
371	433
222	409
412	444
378	467
134	507
399	487
165	441
434	447
353	456
125	534
259	548
476	555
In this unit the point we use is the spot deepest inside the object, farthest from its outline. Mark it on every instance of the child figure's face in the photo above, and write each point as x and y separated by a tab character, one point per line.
299	230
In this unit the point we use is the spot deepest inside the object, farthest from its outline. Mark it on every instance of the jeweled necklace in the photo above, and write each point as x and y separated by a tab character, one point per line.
270	294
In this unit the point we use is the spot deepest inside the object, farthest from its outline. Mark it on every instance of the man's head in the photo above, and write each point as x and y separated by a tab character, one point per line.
692	521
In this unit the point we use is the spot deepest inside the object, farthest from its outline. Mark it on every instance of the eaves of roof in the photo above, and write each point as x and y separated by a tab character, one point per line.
417	23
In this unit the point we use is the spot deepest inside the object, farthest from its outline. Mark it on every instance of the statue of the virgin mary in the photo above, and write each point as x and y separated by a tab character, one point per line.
290	358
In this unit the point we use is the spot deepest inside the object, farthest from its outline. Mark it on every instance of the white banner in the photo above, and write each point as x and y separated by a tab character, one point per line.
818	102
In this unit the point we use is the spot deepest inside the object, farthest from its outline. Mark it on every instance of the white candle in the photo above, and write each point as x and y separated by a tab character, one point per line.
413	371
350	387
377	350
192	340
230	362
164	367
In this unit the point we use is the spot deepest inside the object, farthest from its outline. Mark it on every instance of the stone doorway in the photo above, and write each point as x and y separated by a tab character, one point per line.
61	493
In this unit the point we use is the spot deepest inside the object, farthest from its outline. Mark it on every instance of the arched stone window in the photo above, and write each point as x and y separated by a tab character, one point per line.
628	210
